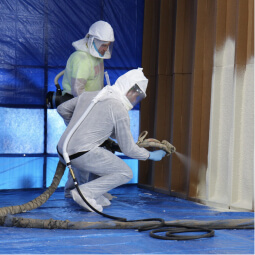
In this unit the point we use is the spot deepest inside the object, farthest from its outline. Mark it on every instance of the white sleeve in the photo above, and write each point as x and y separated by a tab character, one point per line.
66	109
77	86
126	141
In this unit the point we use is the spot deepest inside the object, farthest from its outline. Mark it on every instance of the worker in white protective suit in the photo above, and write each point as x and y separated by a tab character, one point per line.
85	67
108	118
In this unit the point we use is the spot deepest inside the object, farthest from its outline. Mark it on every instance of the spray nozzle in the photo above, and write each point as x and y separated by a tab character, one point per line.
172	149
168	147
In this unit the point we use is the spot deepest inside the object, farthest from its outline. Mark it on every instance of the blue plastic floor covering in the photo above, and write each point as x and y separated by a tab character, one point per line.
131	203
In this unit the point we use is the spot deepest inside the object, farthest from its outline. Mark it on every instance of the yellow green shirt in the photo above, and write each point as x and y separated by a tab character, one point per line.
83	73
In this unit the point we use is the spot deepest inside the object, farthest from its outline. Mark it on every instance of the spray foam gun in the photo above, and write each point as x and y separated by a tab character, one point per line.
151	142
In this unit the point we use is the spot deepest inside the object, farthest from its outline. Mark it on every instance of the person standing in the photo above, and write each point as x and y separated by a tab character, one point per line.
85	67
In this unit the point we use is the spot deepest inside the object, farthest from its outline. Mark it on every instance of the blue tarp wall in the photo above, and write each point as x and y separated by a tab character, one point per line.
35	43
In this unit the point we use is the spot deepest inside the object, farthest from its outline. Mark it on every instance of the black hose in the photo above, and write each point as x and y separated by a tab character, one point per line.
174	229
170	232
161	221
94	209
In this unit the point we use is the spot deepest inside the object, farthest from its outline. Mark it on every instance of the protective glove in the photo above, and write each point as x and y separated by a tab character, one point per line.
157	155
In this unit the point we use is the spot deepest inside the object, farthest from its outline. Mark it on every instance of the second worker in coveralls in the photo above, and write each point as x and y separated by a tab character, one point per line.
85	69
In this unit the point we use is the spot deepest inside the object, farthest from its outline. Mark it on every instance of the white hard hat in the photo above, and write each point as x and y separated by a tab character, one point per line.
102	30
100	40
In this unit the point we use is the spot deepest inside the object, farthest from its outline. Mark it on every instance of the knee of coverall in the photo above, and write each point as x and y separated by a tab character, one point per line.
127	173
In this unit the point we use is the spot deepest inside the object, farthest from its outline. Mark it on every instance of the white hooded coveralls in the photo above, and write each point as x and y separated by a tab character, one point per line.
108	118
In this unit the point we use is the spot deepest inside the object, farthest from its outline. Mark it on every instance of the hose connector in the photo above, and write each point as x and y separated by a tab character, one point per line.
66	158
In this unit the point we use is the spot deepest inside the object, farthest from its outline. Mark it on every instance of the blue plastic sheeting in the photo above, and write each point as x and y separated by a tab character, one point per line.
21	86
36	38
55	129
132	203
21	172
134	123
21	130
51	169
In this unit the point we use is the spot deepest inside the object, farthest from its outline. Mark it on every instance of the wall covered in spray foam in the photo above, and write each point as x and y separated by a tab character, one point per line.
230	175
199	57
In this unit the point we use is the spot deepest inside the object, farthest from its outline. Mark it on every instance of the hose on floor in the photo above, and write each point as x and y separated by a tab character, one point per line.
171	228
37	202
